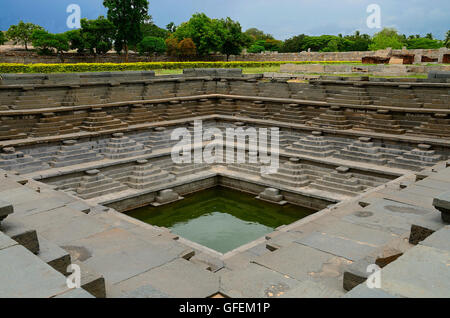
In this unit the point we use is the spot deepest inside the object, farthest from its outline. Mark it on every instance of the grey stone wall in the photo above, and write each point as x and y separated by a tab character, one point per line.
30	57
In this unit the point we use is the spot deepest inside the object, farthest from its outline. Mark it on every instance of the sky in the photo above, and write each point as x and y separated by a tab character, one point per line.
281	18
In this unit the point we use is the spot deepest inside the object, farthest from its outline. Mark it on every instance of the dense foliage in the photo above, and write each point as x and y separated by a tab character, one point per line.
152	45
127	16
103	67
129	26
22	32
47	42
3	38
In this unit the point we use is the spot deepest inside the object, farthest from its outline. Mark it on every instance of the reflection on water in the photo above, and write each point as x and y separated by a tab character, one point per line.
220	218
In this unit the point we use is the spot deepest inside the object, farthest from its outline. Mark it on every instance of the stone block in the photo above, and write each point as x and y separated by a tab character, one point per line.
442	203
5	209
21	234
91	281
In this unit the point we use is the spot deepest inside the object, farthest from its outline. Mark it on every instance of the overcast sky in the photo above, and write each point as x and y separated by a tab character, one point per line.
282	18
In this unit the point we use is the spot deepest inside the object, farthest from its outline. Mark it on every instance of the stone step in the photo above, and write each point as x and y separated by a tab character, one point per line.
54	255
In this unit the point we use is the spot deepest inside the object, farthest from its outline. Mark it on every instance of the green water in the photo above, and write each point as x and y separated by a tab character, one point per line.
220	218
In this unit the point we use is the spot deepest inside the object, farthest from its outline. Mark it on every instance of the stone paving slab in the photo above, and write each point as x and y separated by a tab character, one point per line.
27	276
118	254
380	220
64	225
145	291
6	209
362	291
310	289
295	260
358	233
179	278
6	241
255	281
439	240
75	293
421	272
349	249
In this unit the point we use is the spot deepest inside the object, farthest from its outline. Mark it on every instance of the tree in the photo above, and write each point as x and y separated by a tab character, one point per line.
2	38
231	35
127	17
295	44
387	38
152	45
203	32
97	35
255	48
46	42
447	39
187	49
258	35
424	43
76	41
171	27
22	32
172	46
151	29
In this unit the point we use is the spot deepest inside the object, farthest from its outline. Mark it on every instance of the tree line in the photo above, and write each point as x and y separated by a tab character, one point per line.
128	26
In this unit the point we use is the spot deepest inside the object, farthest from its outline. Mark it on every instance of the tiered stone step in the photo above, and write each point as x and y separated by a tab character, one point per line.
8	133
182	170
291	113
204	107
248	88
314	145
289	174
99	120
333	118
416	159
50	125
140	114
362	150
287	138
145	175
432	98
121	93
120	147
404	97
10	159
7	99
195	166
274	89
80	96
257	110
31	99
159	138
438	125
176	111
382	122
71	153
95	184
247	167
310	92
189	88
339	181
226	107
348	95
159	90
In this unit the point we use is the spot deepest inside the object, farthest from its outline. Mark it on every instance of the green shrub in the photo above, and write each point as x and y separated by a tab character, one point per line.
151	45
47	42
105	67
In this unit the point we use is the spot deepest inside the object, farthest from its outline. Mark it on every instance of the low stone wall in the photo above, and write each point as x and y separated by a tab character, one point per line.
379	70
32	57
